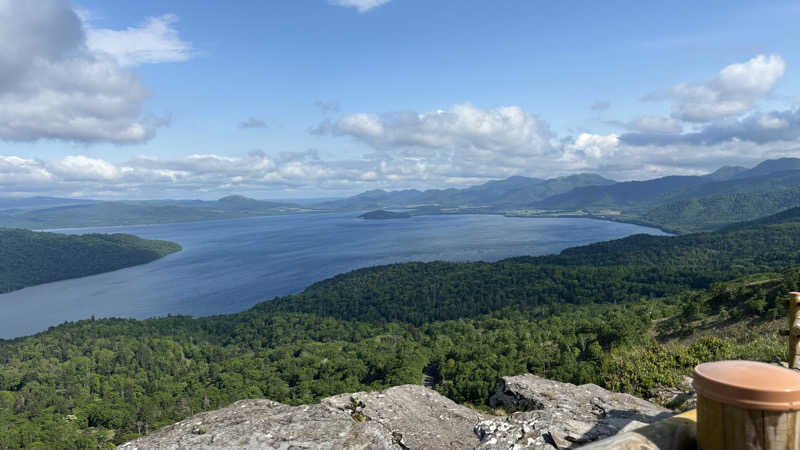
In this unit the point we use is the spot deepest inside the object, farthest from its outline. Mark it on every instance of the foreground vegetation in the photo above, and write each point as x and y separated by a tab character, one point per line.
633	315
28	258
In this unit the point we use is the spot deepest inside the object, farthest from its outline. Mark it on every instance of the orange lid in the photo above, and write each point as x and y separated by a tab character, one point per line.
749	385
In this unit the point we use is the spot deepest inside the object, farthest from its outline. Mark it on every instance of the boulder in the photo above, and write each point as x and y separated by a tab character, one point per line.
548	414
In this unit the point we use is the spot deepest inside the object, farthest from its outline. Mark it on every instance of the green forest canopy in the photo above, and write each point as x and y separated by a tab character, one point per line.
585	315
28	258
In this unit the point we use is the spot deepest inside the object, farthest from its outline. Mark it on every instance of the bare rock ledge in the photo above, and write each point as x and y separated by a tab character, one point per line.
549	415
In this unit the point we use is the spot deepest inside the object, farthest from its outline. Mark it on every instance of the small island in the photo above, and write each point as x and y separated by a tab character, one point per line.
383	215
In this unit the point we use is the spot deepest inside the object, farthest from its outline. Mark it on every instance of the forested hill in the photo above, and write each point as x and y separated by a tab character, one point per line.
705	213
608	272
28	258
644	195
587	315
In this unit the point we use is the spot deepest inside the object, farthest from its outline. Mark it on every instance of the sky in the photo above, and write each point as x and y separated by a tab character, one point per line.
328	98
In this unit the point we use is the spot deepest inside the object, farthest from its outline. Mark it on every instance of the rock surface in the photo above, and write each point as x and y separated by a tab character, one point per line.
549	415
407	416
679	398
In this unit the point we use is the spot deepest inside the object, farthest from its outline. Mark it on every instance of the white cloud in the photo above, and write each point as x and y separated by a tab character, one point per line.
596	146
260	174
734	91
82	168
15	171
755	127
470	131
155	41
771	122
465	142
655	124
586	152
360	5
53	85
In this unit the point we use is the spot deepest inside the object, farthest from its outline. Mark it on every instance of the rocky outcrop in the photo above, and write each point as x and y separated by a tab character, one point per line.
677	398
408	416
548	415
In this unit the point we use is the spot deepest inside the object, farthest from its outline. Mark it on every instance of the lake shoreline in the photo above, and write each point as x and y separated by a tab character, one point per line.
230	266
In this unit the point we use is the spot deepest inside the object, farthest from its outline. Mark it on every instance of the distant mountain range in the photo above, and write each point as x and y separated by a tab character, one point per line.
511	192
141	212
769	175
676	203
27	203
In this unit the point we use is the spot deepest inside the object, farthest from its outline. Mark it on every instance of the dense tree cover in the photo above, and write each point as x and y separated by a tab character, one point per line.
102	382
708	213
98	383
616	271
28	258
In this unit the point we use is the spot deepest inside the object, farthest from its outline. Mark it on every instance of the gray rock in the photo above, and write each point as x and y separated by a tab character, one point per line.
677	398
400	417
550	414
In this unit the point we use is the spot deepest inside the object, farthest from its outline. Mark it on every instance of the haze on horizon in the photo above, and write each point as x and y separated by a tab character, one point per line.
328	98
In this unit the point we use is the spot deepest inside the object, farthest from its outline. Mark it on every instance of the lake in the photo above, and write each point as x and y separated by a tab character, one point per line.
230	265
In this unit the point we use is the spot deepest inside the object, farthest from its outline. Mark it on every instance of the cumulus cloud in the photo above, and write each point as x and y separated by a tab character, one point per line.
155	41
473	131
252	122
360	5
655	125
459	145
197	172
82	168
600	105
54	85
756	127
259	173
734	91
466	142
720	110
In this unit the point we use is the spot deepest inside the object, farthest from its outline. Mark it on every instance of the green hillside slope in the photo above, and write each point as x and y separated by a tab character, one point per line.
614	271
640	196
708	213
28	258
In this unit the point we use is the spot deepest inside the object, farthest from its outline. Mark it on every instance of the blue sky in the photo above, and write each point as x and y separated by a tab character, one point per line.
281	99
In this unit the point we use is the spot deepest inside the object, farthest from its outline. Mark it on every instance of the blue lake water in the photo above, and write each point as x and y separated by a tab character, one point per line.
228	266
